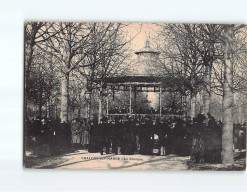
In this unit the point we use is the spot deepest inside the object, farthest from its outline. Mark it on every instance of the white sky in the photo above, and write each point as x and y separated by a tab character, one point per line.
142	31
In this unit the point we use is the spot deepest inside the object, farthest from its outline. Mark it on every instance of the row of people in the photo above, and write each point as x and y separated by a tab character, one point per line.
172	136
143	136
124	137
141	110
52	133
80	135
129	137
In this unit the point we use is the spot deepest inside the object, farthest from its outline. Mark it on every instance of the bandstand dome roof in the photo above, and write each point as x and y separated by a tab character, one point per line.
144	62
147	49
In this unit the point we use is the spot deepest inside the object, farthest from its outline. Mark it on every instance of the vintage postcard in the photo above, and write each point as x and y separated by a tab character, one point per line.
136	96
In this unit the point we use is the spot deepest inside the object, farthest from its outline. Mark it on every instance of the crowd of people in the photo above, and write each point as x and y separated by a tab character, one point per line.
136	135
147	110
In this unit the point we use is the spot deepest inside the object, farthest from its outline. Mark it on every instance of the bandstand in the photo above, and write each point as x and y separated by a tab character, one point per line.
140	80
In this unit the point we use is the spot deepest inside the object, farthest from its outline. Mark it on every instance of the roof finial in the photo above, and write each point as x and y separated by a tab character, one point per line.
147	48
147	40
147	44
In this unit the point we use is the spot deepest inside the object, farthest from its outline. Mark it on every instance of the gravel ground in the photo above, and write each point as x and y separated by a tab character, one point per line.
84	160
81	159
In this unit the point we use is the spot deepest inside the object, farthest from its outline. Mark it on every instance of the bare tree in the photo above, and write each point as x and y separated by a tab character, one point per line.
228	38
36	61
182	58
42	81
69	48
106	56
32	35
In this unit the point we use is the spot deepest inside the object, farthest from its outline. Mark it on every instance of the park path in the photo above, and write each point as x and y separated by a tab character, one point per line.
81	159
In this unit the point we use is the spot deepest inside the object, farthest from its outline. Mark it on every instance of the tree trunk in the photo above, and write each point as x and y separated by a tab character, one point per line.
48	109
207	94
40	104
28	63
238	109
72	114
40	110
100	105
239	114
193	106
90	107
55	111
227	133
79	113
64	97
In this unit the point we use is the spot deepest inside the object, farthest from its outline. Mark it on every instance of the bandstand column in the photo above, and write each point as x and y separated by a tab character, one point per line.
107	102
87	111
130	100
100	104
135	100
113	97
160	99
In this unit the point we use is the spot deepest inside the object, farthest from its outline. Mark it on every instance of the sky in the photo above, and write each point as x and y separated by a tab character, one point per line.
141	31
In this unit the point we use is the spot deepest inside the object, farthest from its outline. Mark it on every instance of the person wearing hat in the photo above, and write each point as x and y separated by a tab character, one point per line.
75	134
85	127
198	128
105	136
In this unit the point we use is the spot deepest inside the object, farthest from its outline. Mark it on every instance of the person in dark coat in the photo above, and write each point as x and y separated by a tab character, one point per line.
36	127
198	129
85	138
141	134
135	130
105	136
65	135
138	135
145	136
241	139
162	136
93	145
45	132
154	146
124	139
43	139
76	134
52	136
55	134
113	136
165	129
179	140
169	126
100	134
128	145
119	136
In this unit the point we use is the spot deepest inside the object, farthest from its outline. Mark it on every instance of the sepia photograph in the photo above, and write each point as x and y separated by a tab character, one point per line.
135	96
